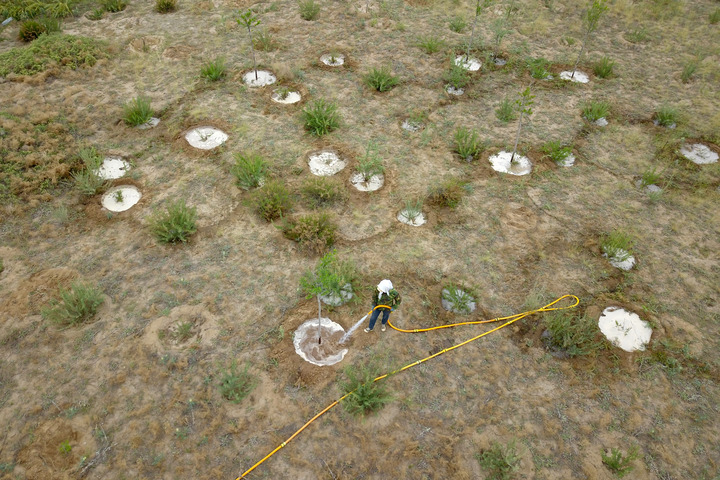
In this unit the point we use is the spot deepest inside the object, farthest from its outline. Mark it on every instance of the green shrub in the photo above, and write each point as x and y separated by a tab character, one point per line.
619	464
381	79
264	41
114	6
314	232
250	170
76	305
688	71
666	116
538	68
323	191
603	68
449	192
500	461
458	297
308	9
137	111
272	200
594	111
175	224
165	6
321	117
236	385
573	334
430	44
456	76
468	144
556	151
650	177
87	181
715	16
457	24
330	277
213	70
363	395
617	244
370	164
30	30
506	111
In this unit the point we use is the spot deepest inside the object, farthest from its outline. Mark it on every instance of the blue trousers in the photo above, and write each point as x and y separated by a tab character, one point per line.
376	313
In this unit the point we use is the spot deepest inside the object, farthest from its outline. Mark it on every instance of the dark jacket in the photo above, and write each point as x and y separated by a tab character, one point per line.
393	300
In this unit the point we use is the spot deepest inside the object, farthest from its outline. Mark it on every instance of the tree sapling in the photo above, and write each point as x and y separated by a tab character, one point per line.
591	18
479	6
249	20
524	104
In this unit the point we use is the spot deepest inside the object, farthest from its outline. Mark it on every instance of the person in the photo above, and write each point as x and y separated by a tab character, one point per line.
384	295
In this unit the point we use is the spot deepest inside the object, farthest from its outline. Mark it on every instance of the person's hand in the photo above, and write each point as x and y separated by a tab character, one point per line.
392	309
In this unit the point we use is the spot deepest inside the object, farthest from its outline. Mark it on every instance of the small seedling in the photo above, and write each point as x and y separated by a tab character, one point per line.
118	195
468	144
75	305
371	163
688	71
363	394
96	14
500	460
137	111
248	20
308	9
650	177
213	70
603	68
666	116
538	68
457	24
114	6
176	224
65	447
381	79
619	464
556	151
638	35
524	103
430	44
575	335
506	111
595	110
457	76
412	210
322	191
321	117
184	331
459	299
250	170
272	201
617	245
265	41
236	385
283	93
500	26
480	5
591	17
165	6
715	16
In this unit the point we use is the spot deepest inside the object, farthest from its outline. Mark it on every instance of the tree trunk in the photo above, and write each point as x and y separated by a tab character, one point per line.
517	137
319	315
472	34
582	49
252	48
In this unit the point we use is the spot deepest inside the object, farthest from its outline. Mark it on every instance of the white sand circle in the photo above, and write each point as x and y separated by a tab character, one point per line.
372	184
457	301
454	91
121	198
335	300
290	97
470	64
579	77
112	168
624	329
206	138
601	122
519	166
263	79
699	153
152	123
326	353
568	161
333	60
407	218
324	164
621	259
411	126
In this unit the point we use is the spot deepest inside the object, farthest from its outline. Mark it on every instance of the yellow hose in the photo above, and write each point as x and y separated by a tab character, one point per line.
510	319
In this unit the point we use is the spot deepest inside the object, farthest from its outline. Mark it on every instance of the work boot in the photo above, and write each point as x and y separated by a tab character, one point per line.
367	330
382	329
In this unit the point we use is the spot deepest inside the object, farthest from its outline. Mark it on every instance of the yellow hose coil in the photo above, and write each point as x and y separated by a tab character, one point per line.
510	319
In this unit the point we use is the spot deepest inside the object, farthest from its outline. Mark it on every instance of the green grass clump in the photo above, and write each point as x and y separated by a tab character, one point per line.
2	265
250	170
468	144
175	224
603	68
214	70
54	49
688	71
595	110
114	6
165	6
87	181
500	461
556	151
265	41
430	44
137	111
272	201
308	9
30	30
323	191
236	385
321	117
364	396
506	111
25	9
381	79
370	164
638	35
449	192
617	245
457	24
314	232
76	305
456	76
458	297
413	209
618	463
666	116
538	67
96	14
650	177
573	334
715	16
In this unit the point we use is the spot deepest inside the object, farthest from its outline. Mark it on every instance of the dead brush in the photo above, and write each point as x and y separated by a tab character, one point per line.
448	192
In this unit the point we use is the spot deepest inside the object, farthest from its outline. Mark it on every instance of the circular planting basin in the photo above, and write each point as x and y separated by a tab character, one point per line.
579	77
152	123
699	153
119	199
456	300
329	352
112	168
624	329
601	122
568	161
454	91
262	79
410	126
519	166
621	259
333	60
206	138
470	64
286	97
335	300
370	185
414	219
325	164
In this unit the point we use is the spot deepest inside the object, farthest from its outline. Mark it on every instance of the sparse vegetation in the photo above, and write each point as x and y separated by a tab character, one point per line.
457	24
236	385
114	6
650	177
456	76
321	117
430	44
214	70
381	79
603	68
250	170
591	18
87	181
574	334
638	35
51	50
618	463
468	144
370	164
363	395
449	192
272	201
500	461
666	116
137	111
688	71
715	16
556	151
265	41
323	191
314	232
308	9
176	224
617	244
538	67
595	110
165	6
506	111
75	305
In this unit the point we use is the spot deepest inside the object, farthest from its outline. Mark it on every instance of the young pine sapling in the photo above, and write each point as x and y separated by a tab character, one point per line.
524	103
501	27
590	20
479	6
249	20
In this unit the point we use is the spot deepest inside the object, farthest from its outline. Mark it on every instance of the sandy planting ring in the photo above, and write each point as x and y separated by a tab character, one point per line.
457	301
579	77
121	198
370	185
262	79
468	63
333	60
329	352
519	166
621	259
325	164
206	138
287	97
409	219
335	300
625	329
411	126
454	91
152	123
112	168
699	153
